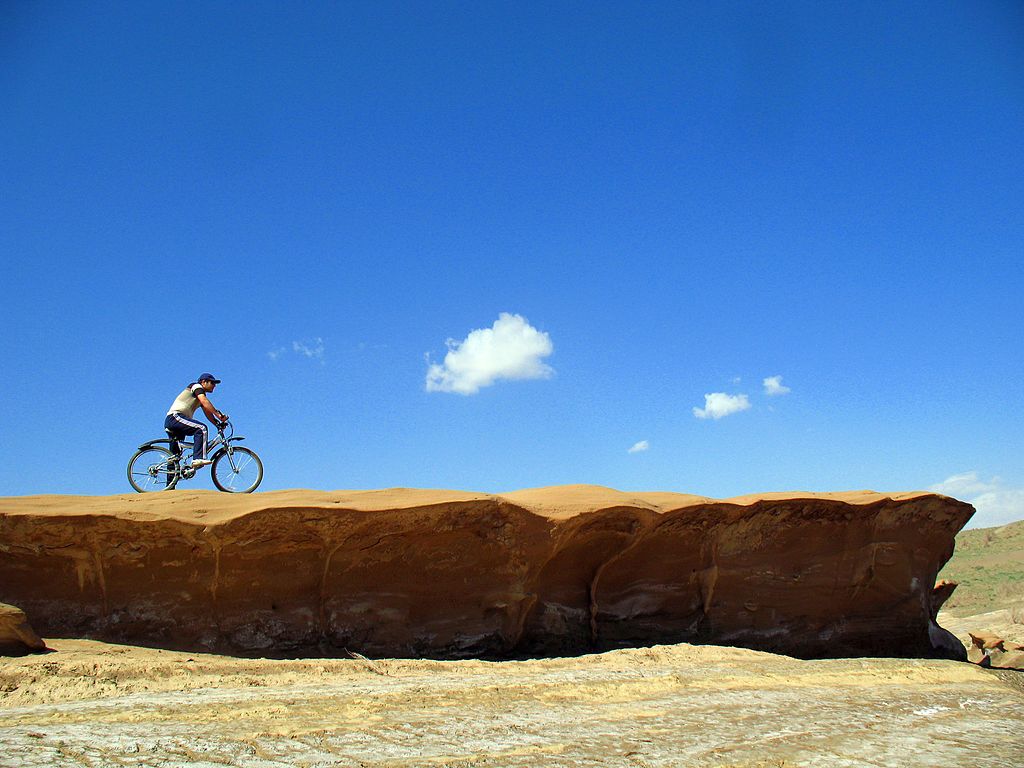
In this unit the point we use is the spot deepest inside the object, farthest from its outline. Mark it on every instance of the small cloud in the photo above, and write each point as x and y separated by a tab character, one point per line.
719	404
996	503
509	349
964	485
640	447
773	386
312	349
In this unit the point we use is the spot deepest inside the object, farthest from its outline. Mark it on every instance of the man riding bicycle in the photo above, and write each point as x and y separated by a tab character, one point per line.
180	424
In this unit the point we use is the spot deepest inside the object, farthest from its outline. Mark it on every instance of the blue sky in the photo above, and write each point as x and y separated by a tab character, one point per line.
610	210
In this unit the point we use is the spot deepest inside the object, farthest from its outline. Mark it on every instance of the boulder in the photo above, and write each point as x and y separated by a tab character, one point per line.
448	574
991	651
17	637
1007	660
987	641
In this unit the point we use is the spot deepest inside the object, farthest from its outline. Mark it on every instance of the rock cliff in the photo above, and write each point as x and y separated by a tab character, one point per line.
449	574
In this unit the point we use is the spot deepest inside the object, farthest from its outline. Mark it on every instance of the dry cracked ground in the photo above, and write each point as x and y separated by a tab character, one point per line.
93	704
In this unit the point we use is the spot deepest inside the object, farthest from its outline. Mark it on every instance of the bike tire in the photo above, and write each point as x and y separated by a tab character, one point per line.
244	476
149	470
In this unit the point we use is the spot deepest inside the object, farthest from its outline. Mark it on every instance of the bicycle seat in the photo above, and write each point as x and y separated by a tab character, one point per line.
177	444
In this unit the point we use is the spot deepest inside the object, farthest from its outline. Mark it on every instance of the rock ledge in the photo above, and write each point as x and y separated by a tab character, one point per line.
449	574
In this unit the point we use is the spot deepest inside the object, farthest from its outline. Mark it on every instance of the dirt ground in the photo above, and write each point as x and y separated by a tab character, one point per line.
93	704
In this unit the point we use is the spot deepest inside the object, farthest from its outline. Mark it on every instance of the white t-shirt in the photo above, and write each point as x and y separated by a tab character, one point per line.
187	402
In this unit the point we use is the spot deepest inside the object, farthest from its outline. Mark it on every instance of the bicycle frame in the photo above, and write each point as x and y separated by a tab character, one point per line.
180	446
220	443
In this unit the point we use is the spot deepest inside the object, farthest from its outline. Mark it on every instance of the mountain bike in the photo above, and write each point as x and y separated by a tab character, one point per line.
159	465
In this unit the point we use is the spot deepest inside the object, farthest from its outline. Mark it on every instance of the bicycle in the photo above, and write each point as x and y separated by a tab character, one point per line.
160	465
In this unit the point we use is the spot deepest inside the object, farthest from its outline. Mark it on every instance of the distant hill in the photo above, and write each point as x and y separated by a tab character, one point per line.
989	566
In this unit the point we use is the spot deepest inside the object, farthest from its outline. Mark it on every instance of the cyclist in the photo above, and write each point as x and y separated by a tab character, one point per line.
180	424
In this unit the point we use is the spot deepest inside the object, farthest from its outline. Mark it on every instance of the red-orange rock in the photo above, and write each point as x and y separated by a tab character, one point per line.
940	594
17	637
449	574
987	641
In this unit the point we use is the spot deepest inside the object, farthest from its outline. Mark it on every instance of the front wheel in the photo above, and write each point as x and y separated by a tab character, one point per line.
153	469
237	470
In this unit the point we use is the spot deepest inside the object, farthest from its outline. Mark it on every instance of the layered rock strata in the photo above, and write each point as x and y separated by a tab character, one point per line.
449	574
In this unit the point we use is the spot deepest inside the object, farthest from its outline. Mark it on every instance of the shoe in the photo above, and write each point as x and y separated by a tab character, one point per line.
197	463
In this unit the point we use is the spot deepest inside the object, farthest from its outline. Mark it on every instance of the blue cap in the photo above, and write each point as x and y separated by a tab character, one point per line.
208	377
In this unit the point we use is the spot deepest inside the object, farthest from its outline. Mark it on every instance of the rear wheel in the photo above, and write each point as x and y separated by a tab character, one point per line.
153	469
237	470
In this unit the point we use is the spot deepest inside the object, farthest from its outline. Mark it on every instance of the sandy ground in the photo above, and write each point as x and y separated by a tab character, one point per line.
93	704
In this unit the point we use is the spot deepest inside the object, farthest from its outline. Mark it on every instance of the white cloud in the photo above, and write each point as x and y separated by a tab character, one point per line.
773	386
719	404
996	503
510	349
964	485
313	349
643	445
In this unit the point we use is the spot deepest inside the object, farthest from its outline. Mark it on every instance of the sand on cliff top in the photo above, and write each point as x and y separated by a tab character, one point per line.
554	502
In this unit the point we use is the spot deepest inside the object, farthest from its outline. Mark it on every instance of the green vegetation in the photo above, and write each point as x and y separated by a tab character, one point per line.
989	566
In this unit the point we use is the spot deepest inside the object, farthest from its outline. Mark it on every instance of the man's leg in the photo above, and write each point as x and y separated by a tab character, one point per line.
198	431
173	430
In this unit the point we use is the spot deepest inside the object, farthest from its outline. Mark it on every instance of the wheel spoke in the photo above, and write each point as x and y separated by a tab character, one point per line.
239	471
150	470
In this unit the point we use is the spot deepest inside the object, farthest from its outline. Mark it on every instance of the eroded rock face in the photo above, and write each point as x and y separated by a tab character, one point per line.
448	574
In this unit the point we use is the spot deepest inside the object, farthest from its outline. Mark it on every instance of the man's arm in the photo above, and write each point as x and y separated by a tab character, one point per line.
215	416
